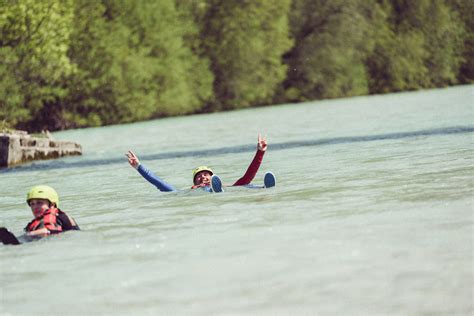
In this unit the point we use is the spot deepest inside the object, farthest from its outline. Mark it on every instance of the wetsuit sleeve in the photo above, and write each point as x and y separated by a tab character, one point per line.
155	180
252	169
66	223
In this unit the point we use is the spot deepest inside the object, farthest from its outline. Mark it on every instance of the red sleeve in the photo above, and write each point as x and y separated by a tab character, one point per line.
252	169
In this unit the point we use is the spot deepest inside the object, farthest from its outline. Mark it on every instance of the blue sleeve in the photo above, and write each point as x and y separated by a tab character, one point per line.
155	180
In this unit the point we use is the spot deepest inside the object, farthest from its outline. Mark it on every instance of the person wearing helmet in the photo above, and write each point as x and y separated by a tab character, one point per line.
202	177
48	218
202	174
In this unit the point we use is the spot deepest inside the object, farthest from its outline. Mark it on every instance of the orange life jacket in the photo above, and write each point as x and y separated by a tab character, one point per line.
47	220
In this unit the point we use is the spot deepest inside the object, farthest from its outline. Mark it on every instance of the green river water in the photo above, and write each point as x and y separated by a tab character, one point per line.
372	215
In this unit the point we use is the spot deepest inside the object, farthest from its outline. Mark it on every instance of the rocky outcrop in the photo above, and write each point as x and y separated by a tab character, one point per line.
17	147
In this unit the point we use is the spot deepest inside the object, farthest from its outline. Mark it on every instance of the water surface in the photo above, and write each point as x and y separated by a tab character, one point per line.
372	214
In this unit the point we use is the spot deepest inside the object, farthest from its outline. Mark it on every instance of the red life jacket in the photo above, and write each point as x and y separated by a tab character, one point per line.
47	220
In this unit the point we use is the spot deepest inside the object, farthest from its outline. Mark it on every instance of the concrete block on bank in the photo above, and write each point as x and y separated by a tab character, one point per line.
18	147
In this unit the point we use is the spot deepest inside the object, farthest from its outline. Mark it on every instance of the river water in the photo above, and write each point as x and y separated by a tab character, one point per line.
372	215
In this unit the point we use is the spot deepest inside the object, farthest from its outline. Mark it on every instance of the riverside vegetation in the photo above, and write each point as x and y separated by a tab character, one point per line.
77	63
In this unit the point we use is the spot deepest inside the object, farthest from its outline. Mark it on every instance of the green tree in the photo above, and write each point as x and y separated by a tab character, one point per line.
419	45
397	62
110	86
181	75
465	10
245	41
12	109
442	32
33	50
332	40
134	64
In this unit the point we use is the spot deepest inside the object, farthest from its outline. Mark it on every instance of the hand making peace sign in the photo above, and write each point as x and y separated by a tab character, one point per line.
133	159
262	143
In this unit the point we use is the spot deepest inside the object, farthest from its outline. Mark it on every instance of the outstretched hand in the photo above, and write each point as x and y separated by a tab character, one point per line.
262	143
132	159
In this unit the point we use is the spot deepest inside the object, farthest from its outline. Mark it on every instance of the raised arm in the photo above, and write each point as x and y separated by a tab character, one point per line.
255	164
132	159
147	174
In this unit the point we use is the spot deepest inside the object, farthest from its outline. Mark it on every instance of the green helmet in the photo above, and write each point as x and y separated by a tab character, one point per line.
43	192
199	169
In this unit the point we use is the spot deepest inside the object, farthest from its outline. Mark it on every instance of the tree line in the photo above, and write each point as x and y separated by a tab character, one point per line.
77	63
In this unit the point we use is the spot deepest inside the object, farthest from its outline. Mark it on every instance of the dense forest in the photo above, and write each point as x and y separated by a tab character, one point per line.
77	63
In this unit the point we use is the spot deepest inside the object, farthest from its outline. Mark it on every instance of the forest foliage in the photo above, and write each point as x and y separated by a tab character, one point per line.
78	63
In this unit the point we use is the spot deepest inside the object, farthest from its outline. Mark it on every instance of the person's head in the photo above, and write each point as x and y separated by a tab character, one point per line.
41	198
202	174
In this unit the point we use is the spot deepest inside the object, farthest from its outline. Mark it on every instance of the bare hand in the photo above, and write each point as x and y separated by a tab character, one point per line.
262	143
199	185
42	232
132	159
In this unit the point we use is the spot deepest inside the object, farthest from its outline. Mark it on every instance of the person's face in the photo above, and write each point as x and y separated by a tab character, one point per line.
203	177
38	207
